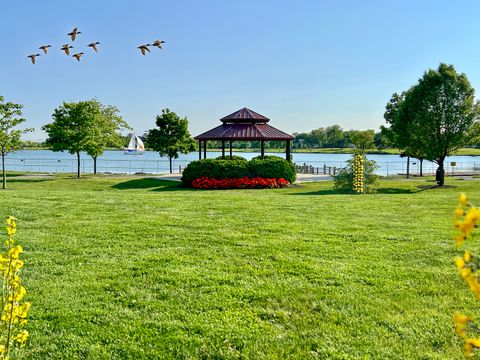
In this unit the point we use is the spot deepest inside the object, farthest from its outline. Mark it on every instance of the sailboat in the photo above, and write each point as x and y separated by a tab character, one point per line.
135	146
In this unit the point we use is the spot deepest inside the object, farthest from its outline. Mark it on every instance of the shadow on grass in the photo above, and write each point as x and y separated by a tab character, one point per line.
150	183
379	191
26	180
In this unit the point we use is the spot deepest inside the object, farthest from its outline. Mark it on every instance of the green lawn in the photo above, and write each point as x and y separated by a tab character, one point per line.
132	268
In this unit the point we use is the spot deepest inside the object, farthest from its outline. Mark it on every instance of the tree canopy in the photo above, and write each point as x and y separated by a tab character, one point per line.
84	126
172	136
434	117
10	118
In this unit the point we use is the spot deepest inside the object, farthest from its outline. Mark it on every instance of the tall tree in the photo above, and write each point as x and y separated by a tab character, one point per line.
10	118
438	113
106	130
72	128
172	137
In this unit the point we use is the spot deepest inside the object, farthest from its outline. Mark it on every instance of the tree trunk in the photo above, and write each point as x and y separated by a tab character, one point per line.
421	167
4	172
78	164
408	167
171	165
440	174
94	165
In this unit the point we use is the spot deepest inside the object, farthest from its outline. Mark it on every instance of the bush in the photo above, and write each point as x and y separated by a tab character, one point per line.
234	157
344	180
214	168
271	167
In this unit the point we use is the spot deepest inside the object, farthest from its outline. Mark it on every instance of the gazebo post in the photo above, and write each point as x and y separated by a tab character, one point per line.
205	149
199	149
231	156
223	149
262	148
288	151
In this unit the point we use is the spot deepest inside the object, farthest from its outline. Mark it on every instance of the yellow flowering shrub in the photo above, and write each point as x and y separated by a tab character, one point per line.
358	174
14	312
467	218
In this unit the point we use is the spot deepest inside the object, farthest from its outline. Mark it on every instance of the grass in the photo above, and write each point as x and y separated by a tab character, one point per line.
138	268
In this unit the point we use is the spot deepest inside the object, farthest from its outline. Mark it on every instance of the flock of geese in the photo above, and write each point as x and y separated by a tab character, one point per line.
73	35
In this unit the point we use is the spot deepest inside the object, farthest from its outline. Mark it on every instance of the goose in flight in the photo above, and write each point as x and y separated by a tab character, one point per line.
158	43
144	48
45	48
74	34
32	57
67	48
93	45
78	56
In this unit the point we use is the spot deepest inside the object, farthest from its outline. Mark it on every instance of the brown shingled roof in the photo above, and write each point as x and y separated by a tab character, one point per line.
245	115
244	132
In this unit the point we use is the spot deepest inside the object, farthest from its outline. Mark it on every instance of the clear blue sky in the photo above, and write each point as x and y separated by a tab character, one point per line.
304	64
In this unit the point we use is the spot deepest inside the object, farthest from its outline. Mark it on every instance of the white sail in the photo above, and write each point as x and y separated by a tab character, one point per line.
140	145
135	146
131	144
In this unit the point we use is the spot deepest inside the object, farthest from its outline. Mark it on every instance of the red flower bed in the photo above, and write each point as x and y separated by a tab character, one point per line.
206	182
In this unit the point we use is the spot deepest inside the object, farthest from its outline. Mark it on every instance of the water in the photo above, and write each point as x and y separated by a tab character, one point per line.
150	162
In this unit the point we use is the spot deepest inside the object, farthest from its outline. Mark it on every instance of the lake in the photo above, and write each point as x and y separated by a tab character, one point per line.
151	163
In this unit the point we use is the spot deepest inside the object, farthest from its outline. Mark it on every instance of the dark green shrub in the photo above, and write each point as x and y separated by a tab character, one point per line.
343	181
272	167
218	169
234	157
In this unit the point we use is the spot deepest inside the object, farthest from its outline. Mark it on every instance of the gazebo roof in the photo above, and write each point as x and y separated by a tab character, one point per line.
244	124
245	115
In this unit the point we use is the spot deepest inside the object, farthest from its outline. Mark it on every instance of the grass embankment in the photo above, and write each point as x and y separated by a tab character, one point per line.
131	268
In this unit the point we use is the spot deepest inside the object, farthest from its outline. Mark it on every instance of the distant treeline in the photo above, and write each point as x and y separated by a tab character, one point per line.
322	138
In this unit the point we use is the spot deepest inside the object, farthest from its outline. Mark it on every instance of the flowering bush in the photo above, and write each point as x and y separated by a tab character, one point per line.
14	312
206	182
270	167
358	173
467	218
357	177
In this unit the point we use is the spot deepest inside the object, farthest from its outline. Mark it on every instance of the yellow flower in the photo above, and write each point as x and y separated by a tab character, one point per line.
467	256
463	199
470	345
460	263
22	337
459	212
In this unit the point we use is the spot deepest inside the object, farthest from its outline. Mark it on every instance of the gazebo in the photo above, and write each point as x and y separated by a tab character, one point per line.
243	125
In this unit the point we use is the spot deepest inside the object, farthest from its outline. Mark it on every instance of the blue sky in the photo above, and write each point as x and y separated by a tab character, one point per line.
304	64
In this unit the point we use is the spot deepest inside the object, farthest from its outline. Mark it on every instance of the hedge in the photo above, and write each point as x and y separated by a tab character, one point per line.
271	167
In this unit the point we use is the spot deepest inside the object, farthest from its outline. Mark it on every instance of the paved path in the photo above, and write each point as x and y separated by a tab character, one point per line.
300	177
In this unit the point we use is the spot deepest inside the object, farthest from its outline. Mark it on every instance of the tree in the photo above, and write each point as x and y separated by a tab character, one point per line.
362	139
10	118
172	136
105	132
435	116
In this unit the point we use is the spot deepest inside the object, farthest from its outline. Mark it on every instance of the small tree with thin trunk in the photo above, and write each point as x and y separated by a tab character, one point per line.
71	128
172	137
10	118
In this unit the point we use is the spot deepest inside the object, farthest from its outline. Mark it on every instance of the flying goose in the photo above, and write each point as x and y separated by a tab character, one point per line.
158	43
144	48
93	45
74	34
45	48
32	57
78	56
66	48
